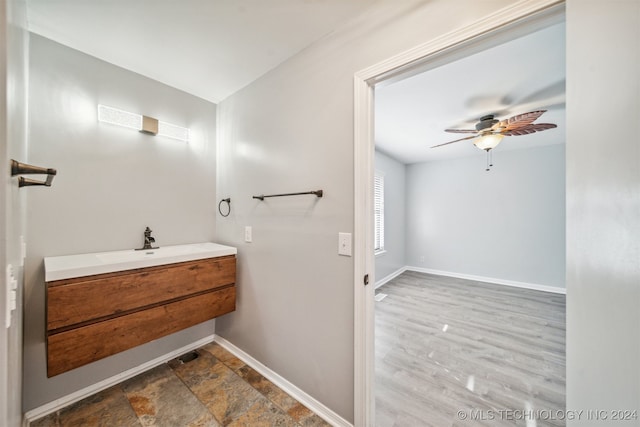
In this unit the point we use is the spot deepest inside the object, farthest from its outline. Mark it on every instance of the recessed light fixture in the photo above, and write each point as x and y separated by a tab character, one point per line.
144	124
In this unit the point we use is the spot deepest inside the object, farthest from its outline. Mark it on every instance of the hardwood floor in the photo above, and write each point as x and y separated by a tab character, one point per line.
454	352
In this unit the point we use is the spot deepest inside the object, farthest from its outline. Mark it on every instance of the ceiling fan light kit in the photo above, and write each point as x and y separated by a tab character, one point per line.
489	141
489	131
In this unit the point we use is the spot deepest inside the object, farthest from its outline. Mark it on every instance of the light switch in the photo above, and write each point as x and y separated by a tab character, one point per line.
344	244
248	234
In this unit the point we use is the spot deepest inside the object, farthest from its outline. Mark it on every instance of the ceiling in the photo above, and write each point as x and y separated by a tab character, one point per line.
522	75
208	48
213	48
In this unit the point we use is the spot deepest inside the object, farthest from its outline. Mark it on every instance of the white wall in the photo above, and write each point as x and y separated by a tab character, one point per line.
111	183
13	135
508	223
603	208
292	130
394	216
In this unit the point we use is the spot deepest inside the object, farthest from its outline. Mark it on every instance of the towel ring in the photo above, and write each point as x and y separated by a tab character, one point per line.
228	202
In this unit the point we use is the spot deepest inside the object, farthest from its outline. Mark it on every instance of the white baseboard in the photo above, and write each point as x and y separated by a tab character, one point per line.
74	397
525	285
390	277
310	402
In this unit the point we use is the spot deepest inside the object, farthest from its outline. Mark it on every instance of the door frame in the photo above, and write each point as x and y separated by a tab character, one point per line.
510	22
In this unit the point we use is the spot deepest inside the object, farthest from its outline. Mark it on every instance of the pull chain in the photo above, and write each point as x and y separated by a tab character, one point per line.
489	159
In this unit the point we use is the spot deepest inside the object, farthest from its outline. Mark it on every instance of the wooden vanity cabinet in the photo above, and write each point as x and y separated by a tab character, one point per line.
92	317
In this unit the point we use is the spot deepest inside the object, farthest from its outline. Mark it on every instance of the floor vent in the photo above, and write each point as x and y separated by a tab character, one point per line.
187	357
380	297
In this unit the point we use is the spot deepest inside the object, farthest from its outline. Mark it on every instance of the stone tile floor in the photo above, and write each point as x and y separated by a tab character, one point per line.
215	389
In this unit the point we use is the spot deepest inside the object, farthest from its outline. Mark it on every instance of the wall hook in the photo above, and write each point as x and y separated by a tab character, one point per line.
18	168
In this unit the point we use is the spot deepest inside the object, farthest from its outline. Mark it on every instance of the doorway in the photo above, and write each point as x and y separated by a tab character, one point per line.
494	30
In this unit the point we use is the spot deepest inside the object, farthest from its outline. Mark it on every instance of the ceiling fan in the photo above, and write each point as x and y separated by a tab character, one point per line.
489	131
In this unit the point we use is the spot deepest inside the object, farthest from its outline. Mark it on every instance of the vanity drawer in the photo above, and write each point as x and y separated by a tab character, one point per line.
79	346
78	301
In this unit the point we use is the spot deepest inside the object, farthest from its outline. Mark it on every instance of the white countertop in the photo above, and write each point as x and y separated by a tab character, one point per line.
65	267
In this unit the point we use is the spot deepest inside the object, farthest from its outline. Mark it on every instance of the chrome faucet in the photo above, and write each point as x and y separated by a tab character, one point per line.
148	240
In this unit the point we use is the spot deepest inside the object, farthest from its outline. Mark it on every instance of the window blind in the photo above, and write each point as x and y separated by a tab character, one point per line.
378	207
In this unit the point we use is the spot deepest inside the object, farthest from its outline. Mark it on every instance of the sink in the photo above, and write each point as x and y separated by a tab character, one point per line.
65	267
163	252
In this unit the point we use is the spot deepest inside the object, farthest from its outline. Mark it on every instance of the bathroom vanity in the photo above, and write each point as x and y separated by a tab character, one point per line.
104	303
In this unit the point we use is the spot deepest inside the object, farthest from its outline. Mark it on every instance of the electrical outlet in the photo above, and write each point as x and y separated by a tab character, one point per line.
248	237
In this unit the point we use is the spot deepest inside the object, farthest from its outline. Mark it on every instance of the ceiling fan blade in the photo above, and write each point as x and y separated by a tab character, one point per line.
487	103
554	90
531	128
451	142
461	130
518	121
